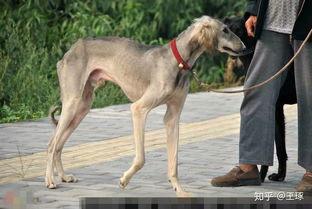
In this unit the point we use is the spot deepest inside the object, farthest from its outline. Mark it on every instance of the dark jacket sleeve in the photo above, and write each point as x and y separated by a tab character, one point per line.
257	8
252	8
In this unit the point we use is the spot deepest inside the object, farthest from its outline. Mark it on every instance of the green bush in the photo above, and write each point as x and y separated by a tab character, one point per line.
35	34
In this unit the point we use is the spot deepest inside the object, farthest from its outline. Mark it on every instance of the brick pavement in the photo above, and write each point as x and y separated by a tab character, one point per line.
208	148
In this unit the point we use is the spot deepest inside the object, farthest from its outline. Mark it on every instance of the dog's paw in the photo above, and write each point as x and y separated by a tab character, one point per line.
276	177
183	194
123	182
50	183
51	186
69	179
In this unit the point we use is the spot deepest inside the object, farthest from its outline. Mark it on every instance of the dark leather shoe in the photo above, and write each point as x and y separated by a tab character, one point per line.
237	177
305	184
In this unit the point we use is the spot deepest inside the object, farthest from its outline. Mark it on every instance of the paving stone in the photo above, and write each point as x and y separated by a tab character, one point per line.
199	162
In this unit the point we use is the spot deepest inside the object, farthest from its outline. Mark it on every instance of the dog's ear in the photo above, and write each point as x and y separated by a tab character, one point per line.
226	20
208	36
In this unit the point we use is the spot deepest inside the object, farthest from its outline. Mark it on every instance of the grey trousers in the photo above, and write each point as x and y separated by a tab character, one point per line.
257	130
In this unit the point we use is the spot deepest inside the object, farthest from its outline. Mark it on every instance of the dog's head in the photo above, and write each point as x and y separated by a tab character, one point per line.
214	35
237	26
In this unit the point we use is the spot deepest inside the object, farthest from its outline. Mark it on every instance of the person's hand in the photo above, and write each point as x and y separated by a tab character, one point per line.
250	25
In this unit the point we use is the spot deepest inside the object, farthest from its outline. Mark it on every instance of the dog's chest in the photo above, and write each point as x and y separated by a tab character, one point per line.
182	79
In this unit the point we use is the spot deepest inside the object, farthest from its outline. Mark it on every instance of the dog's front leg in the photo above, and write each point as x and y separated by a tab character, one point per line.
171	120
139	111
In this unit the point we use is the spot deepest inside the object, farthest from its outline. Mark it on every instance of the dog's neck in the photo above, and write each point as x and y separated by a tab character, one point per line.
188	49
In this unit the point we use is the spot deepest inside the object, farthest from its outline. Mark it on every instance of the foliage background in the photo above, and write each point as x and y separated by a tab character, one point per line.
35	34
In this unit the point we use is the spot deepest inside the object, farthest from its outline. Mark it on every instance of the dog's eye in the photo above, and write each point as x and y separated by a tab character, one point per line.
225	30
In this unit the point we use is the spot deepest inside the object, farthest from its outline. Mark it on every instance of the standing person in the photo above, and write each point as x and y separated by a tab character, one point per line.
279	26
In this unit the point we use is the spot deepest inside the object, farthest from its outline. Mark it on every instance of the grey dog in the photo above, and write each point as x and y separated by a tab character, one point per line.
148	75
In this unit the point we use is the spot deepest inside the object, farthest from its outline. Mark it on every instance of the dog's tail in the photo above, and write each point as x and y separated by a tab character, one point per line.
52	112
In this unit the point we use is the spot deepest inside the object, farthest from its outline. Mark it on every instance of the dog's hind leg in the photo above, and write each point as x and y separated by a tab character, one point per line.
139	110
83	107
280	144
73	111
66	117
75	106
263	172
171	120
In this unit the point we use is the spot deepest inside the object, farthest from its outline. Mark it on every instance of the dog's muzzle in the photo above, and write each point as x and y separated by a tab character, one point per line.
242	53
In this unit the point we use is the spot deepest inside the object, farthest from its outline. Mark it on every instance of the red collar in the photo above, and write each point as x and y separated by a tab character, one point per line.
182	63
